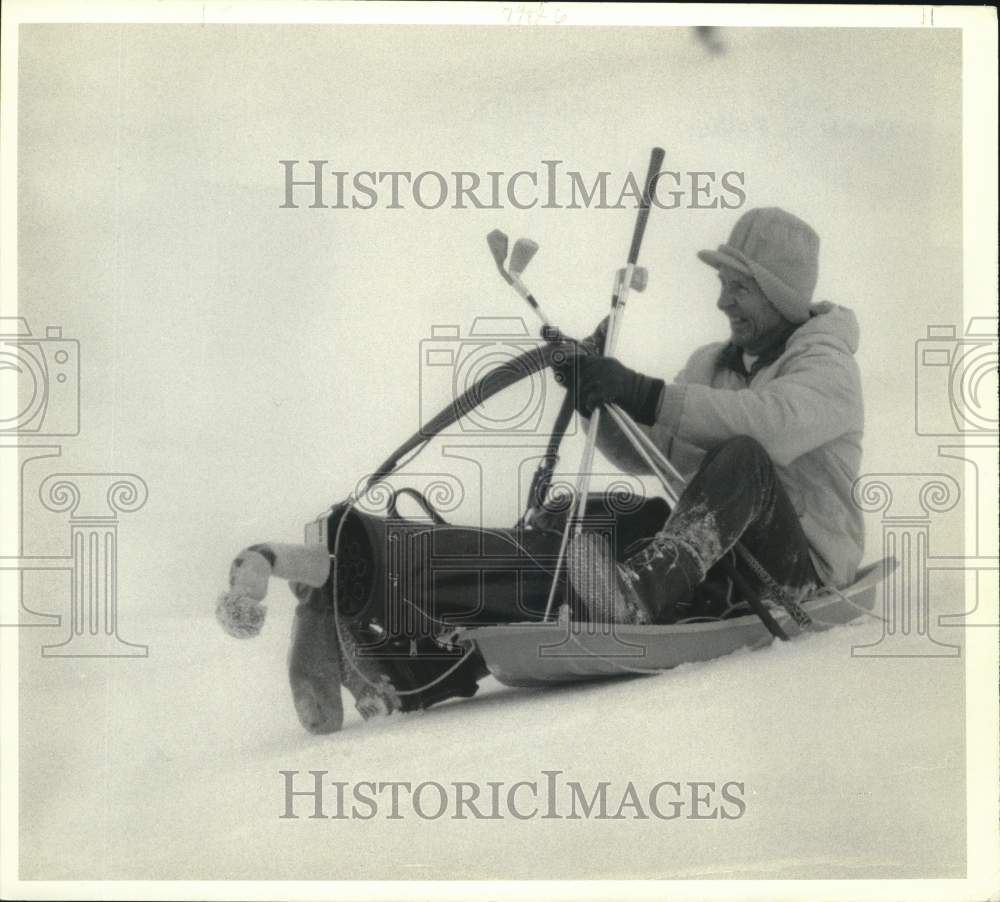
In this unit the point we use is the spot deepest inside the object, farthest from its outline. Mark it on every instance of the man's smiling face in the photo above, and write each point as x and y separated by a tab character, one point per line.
754	322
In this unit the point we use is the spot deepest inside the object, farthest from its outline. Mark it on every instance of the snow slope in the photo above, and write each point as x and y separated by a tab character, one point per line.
169	768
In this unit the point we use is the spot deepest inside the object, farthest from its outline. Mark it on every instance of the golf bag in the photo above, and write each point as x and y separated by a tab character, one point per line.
400	587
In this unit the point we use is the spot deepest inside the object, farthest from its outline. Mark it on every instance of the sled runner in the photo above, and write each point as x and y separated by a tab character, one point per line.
543	654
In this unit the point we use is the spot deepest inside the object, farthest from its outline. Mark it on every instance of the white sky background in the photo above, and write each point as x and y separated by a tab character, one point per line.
252	363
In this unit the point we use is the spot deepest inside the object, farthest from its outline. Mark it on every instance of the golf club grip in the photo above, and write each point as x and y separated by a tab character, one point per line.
655	162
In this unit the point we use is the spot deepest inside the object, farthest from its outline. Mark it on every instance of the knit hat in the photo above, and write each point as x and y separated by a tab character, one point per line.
780	252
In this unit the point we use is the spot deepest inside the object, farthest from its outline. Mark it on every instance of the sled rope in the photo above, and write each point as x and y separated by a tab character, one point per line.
833	590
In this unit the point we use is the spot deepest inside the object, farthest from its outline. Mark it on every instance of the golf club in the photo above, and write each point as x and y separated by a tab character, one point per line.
623	282
497	242
524	250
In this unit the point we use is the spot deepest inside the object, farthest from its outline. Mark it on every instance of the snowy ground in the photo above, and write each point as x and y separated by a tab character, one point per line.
168	768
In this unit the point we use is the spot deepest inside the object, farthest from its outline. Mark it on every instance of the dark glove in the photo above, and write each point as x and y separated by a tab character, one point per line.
591	345
601	380
594	343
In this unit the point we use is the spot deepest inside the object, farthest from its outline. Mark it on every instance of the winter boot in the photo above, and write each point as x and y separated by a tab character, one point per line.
651	586
323	658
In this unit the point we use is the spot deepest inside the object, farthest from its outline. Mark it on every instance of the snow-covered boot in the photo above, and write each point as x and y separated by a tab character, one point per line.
314	666
652	586
323	657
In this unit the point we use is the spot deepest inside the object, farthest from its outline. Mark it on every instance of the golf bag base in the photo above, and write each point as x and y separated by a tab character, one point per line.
324	658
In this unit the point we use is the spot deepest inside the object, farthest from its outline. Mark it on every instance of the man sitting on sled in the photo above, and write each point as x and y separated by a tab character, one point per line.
766	428
767	431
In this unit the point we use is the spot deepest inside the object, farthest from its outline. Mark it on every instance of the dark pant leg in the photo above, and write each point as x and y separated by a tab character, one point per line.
736	496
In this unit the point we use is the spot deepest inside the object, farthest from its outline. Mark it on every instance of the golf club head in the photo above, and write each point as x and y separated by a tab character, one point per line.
640	278
520	257
497	241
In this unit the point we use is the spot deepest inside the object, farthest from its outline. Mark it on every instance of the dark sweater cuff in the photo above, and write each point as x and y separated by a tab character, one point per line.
645	411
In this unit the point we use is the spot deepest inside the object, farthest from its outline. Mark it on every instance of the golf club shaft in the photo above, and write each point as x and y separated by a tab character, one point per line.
574	515
619	295
658	465
590	445
618	302
522	290
655	163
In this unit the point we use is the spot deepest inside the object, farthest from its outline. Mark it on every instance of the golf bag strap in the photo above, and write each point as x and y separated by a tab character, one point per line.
495	381
422	501
543	475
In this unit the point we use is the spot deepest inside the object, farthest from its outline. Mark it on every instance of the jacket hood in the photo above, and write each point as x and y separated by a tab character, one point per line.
830	323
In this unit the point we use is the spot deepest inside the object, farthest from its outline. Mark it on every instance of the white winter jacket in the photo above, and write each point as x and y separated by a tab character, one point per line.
804	407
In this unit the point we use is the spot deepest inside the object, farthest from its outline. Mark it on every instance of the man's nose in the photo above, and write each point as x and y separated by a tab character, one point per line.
725	300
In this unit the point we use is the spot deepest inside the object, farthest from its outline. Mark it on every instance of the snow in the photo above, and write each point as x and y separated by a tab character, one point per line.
252	364
852	768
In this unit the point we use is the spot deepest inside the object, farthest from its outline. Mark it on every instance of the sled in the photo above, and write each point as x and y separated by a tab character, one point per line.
543	654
